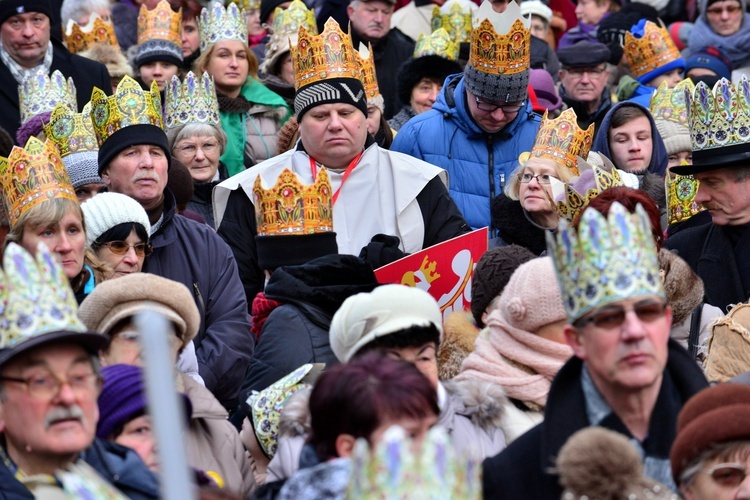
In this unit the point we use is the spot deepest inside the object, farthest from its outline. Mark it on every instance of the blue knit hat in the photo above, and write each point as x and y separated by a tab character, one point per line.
711	58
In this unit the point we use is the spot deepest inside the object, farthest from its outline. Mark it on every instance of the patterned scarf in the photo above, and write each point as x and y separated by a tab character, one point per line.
19	72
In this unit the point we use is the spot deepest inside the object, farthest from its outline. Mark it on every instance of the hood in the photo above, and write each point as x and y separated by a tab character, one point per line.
659	157
295	419
703	5
483	402
683	287
459	336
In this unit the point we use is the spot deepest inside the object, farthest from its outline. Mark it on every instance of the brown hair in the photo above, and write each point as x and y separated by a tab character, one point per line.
625	114
201	63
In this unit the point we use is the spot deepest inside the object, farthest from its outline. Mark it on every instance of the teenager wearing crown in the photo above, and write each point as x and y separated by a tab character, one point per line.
375	191
159	54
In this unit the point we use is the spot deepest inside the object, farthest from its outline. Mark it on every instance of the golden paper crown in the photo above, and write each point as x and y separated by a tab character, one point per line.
457	22
369	78
681	191
721	117
671	104
561	140
500	43
130	105
288	21
247	5
192	101
325	56
217	23
653	50
79	38
291	208
72	132
588	185
439	43
39	93
161	23
31	175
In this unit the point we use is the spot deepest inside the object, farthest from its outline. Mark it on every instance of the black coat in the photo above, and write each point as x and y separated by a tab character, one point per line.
522	469
86	75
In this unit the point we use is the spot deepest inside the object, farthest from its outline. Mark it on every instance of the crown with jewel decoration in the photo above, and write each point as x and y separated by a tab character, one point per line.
218	23
247	5
681	191
72	132
500	43
438	43
31	175
457	22
129	105
79	38
288	21
368	76
653	50
605	260
561	140
592	180
40	93
290	207
160	23
192	101
671	104
322	57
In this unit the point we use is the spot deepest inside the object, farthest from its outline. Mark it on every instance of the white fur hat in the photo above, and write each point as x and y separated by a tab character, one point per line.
106	210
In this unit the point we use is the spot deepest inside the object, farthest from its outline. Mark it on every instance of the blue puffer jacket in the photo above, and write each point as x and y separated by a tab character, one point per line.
478	163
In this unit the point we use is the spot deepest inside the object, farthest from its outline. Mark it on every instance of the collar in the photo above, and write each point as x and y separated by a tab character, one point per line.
597	408
20	73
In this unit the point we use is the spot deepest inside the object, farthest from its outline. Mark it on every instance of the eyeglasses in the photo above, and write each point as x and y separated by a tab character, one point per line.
192	149
717	10
579	72
48	386
609	317
133	337
491	107
727	475
122	247
525	178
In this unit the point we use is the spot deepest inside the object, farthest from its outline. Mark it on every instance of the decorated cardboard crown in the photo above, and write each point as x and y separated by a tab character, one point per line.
500	43
561	140
129	105
217	23
653	50
322	57
681	191
292	208
439	43
40	93
605	260
368	76
192	101
267	405
288	21
671	104
592	180
160	23
457	21
718	118
32	175
398	468
79	38
247	5
70	131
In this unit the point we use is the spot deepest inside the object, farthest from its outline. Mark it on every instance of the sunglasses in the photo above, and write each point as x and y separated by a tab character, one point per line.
727	475
614	316
122	247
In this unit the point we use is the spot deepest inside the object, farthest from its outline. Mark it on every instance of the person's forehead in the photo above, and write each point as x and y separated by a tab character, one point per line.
26	14
629	302
634	125
376	4
47	356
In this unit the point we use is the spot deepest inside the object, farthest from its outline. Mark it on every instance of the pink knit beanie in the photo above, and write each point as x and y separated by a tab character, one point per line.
531	298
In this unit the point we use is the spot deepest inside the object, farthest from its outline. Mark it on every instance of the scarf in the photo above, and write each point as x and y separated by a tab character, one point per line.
522	363
235	105
261	309
736	46
20	73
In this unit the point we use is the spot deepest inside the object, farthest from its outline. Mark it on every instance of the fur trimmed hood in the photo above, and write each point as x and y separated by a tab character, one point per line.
116	63
480	401
295	419
683	287
458	341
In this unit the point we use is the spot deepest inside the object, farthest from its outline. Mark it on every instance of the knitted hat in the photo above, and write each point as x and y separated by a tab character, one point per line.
711	58
83	168
718	414
491	275
536	8
267	7
365	317
107	210
676	136
531	298
432	67
118	299
544	88
10	8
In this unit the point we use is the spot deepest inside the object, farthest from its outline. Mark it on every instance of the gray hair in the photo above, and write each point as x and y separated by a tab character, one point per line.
177	134
77	9
741	173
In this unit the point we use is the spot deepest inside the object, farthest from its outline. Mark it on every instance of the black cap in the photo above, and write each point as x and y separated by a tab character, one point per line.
583	54
10	8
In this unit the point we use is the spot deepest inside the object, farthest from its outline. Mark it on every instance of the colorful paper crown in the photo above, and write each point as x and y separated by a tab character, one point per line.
398	468
721	117
160	23
288	21
671	104
368	76
79	38
439	43
561	140
130	105
247	5
653	50
606	260
500	43
593	179
681	191
192	101
267	405
70	131
291	208
32	175
457	22
325	56
217	24
39	93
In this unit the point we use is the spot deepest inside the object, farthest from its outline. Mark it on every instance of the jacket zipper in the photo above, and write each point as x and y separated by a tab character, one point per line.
491	173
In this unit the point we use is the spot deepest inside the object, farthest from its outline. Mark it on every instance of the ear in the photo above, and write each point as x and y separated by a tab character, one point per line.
573	338
350	12
105	177
345	445
559	74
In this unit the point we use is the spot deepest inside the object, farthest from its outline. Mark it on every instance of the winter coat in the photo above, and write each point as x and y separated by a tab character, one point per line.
327	480
194	255
399	119
523	470
202	202
448	137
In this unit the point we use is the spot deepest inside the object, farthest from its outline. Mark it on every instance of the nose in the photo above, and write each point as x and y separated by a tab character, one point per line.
586	77
199	154
335	123
379	17
65	396
632	328
744	490
146	161
579	9
434	94
635	145
498	114
63	244
234	62
703	195
724	14
131	258
28	30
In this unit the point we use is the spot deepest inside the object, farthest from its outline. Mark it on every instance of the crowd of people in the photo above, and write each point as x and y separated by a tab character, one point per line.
243	170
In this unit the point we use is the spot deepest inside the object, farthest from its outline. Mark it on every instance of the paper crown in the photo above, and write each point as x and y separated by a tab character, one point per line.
653	50
606	260
160	23
288	21
325	56
439	43
291	208
561	140
217	23
130	105
247	5
32	175
718	118
398	468
500	43
369	78
457	22
192	101
267	405
39	93
671	104
681	191
70	131
592	180
79	38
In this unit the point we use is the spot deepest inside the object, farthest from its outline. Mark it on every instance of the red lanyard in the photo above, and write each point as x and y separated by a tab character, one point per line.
347	173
